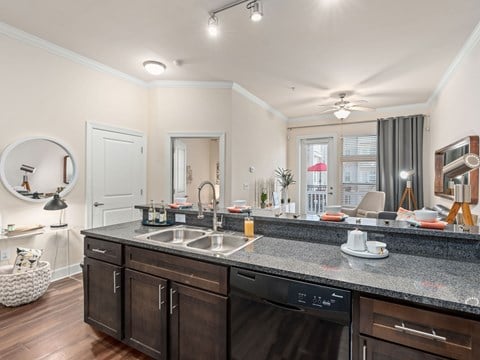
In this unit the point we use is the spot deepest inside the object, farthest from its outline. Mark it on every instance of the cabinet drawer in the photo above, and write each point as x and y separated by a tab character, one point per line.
426	330
176	268
103	250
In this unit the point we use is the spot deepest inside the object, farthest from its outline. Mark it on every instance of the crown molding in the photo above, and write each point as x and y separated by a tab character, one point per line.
467	48
33	40
255	99
190	84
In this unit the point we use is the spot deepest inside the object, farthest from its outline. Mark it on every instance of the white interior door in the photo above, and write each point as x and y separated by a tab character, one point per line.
179	169
318	175
117	176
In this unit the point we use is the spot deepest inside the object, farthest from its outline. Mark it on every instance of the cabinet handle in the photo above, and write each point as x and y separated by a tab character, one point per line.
411	331
160	302
171	301
115	287
364	352
101	251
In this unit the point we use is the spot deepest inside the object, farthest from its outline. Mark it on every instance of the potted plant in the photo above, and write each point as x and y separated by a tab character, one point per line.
263	199
284	179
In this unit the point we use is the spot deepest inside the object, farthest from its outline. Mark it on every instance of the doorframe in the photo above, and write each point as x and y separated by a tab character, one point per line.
221	157
298	149
89	129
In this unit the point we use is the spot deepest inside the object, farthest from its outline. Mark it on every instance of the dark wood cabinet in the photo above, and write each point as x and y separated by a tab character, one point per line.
198	324
374	349
146	313
416	330
103	296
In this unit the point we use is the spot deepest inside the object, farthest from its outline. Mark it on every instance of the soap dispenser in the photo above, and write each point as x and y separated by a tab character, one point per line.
248	225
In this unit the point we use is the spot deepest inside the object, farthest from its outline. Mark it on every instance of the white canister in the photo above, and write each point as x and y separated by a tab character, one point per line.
357	240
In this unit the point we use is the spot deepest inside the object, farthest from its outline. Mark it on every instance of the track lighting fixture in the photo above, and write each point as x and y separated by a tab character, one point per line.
154	67
213	25
256	10
255	7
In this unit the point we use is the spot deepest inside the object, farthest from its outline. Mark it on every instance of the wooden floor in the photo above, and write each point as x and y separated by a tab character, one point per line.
53	328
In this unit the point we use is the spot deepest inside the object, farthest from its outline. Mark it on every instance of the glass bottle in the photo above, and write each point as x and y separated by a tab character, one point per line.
151	212
162	213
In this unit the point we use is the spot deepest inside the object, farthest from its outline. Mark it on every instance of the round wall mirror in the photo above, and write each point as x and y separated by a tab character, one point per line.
35	168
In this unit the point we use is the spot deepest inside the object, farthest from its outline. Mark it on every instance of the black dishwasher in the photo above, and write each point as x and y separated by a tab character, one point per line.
274	318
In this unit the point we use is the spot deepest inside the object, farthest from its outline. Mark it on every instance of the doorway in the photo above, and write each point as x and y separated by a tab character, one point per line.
317	174
196	157
116	174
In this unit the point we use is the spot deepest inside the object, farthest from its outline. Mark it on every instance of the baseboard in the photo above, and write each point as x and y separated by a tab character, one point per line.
66	271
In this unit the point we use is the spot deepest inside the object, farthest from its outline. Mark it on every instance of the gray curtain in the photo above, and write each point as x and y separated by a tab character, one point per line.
399	147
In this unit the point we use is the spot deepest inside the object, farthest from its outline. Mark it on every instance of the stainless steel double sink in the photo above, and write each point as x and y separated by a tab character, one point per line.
198	239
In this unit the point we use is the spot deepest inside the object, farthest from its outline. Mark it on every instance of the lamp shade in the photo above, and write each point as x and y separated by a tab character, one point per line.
342	113
55	204
462	165
405	174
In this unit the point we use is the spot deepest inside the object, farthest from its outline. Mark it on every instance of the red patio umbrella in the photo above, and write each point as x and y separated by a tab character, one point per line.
318	167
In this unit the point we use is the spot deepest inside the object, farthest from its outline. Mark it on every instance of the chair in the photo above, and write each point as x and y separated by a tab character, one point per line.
372	203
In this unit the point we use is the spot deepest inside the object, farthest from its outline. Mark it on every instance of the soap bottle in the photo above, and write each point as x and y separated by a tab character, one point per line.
248	226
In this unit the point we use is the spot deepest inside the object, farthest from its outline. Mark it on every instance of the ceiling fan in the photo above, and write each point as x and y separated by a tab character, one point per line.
342	109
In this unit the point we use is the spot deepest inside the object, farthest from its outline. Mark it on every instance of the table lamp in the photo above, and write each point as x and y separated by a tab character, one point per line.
57	204
462	193
408	192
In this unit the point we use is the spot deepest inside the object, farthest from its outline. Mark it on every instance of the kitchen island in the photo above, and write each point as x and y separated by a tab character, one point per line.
432	285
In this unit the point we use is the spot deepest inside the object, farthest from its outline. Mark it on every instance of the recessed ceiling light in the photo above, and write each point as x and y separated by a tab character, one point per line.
154	67
213	25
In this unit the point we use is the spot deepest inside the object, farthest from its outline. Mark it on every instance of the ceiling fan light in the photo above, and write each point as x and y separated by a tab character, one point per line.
154	67
256	11
213	25
342	113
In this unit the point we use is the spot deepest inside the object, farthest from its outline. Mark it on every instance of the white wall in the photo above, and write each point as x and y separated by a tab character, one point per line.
250	133
260	140
42	94
454	113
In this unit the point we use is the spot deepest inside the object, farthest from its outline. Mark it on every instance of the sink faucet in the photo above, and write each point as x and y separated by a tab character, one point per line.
200	215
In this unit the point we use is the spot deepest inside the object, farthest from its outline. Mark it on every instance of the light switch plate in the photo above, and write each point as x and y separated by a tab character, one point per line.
180	218
4	254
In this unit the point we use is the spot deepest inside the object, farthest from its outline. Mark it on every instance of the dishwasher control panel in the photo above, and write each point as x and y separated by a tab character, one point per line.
318	297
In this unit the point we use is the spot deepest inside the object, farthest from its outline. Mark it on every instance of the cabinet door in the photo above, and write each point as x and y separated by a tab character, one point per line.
146	313
373	349
198	324
103	296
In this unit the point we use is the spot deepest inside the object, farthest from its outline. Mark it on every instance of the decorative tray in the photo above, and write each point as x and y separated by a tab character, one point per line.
150	223
363	254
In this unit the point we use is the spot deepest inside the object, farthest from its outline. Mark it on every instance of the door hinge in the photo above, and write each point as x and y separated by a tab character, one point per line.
141	149
141	191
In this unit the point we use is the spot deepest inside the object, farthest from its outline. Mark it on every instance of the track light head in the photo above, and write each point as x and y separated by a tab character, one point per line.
213	25
256	10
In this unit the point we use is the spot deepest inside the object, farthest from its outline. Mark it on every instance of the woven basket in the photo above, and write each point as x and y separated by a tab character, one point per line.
22	288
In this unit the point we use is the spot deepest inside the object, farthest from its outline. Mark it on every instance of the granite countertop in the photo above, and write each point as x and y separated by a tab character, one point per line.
447	284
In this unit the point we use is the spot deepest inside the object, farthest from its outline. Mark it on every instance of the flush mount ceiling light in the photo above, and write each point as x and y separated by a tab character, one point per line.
255	7
342	114
154	67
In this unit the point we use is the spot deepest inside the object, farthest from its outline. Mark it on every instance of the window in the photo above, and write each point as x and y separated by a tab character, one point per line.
359	168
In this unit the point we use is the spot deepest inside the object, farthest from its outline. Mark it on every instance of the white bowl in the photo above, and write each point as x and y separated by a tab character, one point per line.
333	209
239	203
180	200
376	247
426	215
